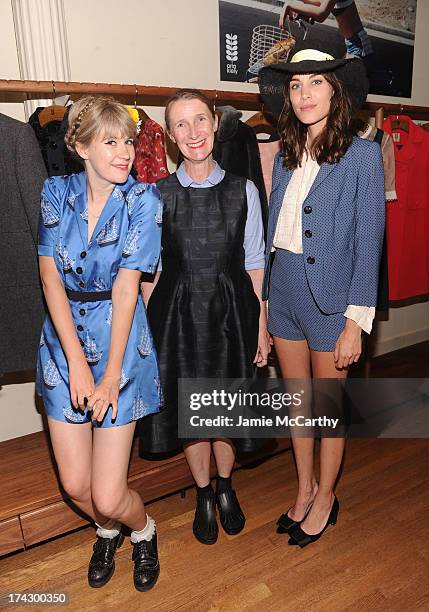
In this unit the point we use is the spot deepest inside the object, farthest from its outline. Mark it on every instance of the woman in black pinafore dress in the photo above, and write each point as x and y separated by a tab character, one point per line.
205	307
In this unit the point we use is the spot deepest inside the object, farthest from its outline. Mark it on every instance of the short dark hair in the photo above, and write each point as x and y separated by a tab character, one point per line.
331	145
187	94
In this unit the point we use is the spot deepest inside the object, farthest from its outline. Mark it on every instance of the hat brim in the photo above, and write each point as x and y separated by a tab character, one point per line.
350	71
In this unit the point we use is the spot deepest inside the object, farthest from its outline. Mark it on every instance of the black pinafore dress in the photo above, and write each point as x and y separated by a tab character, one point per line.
203	312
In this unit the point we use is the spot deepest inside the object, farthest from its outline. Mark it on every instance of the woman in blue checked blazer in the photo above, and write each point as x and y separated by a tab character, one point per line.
325	233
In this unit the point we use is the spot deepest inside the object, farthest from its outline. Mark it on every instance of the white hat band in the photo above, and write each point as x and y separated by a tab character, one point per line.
311	54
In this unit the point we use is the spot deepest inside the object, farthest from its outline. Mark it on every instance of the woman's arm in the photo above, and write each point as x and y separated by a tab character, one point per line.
147	287
316	9
368	241
124	298
80	375
254	261
264	344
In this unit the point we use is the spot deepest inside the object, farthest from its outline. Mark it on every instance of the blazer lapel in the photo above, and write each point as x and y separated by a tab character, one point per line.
278	194
324	171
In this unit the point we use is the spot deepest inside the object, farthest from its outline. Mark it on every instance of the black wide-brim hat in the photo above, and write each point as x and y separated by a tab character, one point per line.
305	60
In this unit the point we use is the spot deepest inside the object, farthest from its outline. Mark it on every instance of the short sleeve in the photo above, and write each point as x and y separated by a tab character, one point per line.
50	214
142	244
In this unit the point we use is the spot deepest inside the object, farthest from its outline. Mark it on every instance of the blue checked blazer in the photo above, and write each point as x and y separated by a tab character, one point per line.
344	212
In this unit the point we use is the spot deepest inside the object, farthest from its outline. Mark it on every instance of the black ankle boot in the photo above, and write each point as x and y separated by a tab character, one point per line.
205	525
102	563
146	563
231	515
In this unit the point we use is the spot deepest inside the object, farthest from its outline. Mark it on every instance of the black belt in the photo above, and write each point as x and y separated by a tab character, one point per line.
88	296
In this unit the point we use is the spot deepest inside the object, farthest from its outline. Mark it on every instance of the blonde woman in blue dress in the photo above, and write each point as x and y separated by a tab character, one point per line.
97	370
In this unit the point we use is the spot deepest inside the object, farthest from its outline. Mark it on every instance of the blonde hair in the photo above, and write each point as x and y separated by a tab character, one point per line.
91	115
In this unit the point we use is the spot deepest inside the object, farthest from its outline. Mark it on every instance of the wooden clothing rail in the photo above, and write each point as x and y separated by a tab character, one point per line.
151	95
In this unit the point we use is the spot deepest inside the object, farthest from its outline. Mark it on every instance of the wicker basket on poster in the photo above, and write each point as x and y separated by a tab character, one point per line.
270	45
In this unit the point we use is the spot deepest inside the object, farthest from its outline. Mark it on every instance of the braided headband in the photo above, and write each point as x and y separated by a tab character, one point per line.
78	121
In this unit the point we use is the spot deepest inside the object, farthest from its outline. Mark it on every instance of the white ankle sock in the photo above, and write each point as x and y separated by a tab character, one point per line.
146	533
108	533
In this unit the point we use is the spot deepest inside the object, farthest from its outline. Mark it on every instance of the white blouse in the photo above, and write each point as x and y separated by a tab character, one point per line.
288	234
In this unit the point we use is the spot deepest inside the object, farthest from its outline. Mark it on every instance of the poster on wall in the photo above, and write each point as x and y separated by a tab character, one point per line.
382	31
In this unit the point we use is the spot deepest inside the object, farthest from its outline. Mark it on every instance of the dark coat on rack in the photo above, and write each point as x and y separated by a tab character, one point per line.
58	159
236	151
22	173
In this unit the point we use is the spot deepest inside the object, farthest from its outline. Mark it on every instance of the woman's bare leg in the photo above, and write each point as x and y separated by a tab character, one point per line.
109	485
72	444
331	452
198	457
224	453
294	360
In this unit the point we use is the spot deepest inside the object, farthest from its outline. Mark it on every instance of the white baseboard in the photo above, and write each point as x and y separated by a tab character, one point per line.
397	342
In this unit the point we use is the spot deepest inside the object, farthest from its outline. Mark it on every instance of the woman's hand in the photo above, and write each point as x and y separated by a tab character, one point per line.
308	10
105	395
348	348
264	347
81	382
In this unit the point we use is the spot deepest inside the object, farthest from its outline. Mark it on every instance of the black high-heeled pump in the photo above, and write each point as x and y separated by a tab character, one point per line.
298	537
285	523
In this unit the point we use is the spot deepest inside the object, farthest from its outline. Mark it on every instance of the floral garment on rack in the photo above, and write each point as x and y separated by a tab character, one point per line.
150	162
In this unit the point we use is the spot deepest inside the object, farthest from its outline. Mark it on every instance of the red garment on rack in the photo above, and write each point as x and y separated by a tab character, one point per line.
150	162
408	219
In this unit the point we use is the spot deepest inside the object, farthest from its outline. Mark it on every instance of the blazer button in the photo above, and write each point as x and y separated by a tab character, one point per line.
307	210
311	260
83	255
81	284
79	328
308	233
82	312
79	270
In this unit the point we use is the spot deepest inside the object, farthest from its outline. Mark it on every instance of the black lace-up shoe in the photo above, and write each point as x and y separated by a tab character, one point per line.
102	562
146	563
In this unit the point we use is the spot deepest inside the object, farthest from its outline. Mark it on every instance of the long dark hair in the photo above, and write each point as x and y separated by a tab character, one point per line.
332	143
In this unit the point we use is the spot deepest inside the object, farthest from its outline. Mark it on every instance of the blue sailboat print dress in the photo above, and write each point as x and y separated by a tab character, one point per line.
127	235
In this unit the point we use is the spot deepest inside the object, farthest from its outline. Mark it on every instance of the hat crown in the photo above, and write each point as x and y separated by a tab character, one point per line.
311	54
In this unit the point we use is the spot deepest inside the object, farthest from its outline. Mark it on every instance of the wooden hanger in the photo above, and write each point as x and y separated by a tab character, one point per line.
143	116
400	123
53	112
261	124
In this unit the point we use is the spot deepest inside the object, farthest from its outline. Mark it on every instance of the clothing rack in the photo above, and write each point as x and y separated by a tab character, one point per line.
151	95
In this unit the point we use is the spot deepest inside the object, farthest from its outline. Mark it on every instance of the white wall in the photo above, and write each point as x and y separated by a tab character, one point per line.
169	43
9	66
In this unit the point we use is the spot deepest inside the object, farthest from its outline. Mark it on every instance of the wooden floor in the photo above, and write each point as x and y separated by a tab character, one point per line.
375	558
